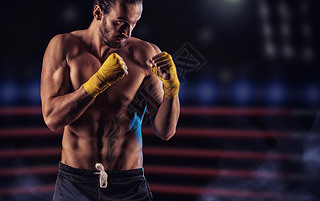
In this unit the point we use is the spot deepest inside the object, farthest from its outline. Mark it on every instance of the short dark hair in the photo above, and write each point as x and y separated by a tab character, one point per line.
105	5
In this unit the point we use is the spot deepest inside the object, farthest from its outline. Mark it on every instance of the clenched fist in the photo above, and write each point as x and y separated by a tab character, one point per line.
111	71
164	68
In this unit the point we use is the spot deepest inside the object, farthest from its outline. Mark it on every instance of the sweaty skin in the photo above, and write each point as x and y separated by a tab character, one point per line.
107	128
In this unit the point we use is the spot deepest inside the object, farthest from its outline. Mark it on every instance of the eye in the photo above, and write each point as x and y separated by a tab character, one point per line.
120	21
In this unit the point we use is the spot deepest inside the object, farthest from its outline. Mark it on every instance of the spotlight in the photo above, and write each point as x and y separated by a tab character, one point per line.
264	11
233	1
283	10
287	50
270	49
285	30
266	29
69	14
224	9
205	35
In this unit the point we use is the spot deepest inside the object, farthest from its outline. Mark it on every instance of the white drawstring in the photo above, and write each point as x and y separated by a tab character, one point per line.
103	176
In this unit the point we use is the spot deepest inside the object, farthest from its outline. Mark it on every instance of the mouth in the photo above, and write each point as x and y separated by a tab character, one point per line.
122	36
121	39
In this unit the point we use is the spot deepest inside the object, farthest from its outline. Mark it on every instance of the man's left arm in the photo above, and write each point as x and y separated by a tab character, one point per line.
164	111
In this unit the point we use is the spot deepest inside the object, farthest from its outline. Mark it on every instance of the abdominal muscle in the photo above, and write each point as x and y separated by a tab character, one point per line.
108	139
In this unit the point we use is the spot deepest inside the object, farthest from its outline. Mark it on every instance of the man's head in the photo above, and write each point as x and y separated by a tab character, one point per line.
116	18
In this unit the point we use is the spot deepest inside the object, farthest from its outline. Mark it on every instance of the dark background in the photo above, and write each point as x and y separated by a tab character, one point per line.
255	54
230	34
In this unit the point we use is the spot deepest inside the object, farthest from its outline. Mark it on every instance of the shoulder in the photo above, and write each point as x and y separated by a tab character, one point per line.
62	40
66	41
64	45
141	50
142	46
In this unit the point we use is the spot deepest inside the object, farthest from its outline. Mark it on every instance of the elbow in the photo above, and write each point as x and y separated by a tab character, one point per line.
166	138
165	130
52	123
168	135
54	127
51	116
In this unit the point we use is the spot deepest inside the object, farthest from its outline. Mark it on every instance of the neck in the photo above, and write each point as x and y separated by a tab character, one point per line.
97	46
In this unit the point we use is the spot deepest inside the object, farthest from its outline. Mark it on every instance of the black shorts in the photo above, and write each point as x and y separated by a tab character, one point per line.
83	185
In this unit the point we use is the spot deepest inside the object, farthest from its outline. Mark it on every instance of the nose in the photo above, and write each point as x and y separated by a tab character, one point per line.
127	29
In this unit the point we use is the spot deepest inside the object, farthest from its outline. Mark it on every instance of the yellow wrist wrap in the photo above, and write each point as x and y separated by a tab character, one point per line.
171	85
112	70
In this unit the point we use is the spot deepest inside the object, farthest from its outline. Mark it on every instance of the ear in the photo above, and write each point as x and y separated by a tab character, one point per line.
97	12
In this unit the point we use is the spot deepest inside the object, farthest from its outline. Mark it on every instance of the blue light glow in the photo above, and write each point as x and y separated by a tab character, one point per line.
275	93
9	92
184	94
205	93
242	92
312	94
32	92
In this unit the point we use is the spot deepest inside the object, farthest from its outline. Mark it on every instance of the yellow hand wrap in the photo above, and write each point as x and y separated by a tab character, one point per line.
171	85
111	71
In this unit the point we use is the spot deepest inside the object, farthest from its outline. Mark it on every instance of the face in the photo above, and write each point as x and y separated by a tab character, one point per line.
117	25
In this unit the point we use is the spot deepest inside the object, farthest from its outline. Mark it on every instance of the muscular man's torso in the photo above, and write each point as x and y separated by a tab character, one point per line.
106	132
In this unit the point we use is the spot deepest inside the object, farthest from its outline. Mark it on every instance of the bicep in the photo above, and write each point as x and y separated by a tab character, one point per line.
55	75
153	86
153	94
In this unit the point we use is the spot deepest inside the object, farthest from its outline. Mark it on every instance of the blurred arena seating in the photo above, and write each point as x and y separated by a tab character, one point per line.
233	154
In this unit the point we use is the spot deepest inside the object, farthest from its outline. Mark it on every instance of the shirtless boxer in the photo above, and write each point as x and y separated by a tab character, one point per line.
89	79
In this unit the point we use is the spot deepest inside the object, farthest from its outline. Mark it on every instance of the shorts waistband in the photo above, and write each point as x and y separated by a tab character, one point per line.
95	173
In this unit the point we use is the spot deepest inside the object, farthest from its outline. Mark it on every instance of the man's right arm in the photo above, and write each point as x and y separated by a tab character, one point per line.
60	104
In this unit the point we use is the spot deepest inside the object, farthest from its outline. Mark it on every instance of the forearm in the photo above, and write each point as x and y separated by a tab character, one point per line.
166	118
62	110
165	121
